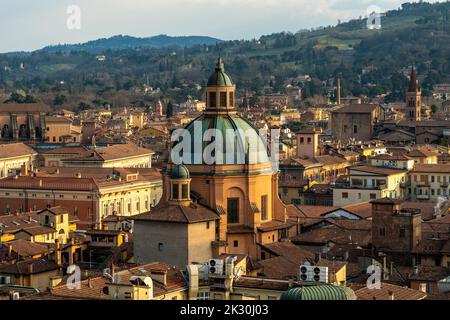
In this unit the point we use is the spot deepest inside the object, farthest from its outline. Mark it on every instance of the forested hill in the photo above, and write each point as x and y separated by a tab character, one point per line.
370	62
121	42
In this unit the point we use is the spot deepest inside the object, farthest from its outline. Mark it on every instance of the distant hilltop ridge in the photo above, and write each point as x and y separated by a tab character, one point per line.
120	42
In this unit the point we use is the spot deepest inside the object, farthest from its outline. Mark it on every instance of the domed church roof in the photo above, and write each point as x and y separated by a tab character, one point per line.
219	136
219	78
239	143
180	172
319	292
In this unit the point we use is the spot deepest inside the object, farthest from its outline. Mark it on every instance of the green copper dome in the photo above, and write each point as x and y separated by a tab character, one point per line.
235	141
319	292
219	78
180	172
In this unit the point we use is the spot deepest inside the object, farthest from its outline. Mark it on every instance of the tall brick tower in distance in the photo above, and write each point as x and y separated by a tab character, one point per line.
413	98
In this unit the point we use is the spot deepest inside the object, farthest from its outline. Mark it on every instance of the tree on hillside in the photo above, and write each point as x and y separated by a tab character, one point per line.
60	100
20	98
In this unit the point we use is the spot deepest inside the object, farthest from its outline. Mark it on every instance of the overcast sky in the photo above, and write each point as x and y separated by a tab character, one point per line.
33	24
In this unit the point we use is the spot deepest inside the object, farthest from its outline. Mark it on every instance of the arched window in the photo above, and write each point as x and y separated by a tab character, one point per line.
233	210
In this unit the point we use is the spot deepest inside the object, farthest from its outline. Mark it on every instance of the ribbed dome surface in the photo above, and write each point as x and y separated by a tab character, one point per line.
241	141
319	292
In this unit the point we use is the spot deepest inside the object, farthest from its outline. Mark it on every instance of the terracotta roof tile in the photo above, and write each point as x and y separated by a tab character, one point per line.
399	293
15	150
165	212
363	209
432	168
289	251
274	225
262	283
50	183
68	150
26	249
315	211
90	289
114	152
429	246
357	108
430	273
23	107
378	170
336	234
57	119
27	267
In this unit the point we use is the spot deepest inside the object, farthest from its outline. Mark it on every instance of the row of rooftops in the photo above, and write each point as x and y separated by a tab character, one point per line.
168	279
29	221
80	179
109	153
79	153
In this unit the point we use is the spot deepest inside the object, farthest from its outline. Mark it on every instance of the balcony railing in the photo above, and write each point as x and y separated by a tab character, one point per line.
354	186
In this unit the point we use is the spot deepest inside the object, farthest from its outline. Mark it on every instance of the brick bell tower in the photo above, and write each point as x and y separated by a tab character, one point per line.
413	98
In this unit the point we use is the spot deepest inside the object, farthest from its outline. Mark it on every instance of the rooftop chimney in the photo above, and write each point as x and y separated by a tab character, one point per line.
415	270
317	257
391	295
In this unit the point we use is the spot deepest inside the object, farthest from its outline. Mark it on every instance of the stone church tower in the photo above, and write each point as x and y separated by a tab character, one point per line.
413	98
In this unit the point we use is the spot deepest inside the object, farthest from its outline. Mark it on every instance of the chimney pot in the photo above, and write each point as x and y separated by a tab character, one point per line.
391	295
317	257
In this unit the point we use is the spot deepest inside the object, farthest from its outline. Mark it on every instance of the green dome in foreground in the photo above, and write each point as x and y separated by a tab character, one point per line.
180	172
319	292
